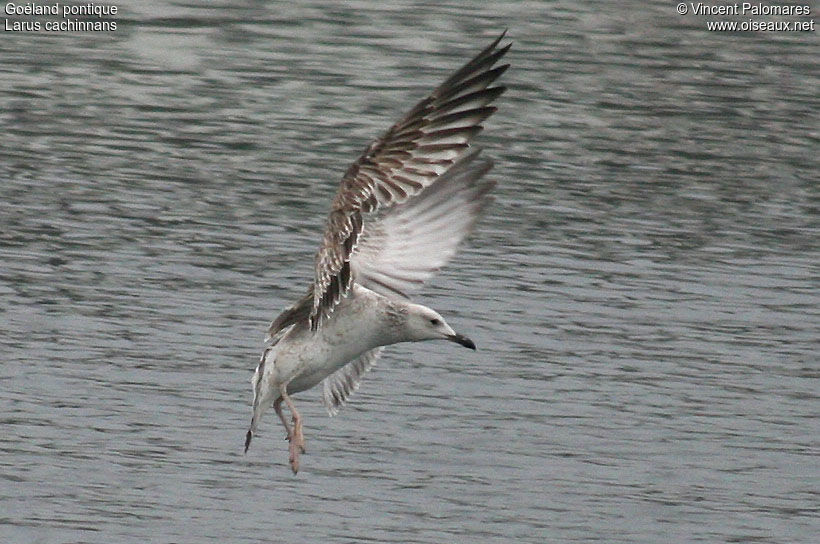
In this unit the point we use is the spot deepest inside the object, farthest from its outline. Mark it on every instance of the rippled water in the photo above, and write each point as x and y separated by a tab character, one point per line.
644	291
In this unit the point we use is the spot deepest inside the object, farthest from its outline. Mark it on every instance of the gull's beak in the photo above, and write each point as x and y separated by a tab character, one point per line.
463	340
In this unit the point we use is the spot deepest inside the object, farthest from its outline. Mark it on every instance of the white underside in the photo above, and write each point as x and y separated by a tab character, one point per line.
303	358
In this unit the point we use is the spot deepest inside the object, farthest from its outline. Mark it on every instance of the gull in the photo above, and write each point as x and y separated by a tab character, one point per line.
399	215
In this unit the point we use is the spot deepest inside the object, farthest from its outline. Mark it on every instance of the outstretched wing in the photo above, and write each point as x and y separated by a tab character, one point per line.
409	157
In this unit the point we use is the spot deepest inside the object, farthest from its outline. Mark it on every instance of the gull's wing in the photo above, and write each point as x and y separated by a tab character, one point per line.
409	157
409	242
300	311
337	387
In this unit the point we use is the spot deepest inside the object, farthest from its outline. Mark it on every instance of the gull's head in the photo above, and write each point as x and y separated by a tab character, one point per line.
426	324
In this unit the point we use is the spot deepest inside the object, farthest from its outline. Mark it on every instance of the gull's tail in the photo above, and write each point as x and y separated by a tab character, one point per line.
248	438
261	394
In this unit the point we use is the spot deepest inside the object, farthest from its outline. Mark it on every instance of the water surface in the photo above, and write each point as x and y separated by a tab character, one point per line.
644	291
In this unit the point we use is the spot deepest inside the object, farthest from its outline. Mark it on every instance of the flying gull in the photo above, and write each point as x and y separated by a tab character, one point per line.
401	211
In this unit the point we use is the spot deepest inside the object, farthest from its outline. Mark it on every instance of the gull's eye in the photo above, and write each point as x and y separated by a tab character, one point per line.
435	321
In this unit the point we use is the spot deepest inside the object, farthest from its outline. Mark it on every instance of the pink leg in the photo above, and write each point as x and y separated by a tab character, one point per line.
277	405
297	440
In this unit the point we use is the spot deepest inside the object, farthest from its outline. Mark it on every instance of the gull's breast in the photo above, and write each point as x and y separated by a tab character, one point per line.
354	327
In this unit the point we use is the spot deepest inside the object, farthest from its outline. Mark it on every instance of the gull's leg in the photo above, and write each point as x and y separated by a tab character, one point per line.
297	440
277	406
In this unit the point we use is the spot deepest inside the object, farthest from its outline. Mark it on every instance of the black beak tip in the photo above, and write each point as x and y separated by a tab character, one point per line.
463	340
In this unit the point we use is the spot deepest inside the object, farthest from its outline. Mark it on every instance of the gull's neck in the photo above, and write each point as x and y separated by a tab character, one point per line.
374	319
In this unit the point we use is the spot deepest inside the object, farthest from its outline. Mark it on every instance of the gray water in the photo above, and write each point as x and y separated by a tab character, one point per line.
643	292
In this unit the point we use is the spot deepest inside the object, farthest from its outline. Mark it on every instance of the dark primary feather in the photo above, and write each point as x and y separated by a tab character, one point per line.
410	156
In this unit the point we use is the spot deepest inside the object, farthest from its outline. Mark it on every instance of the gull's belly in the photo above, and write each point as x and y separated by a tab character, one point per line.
317	362
307	357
